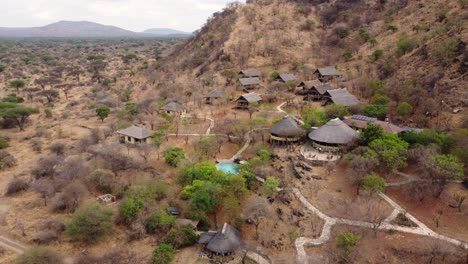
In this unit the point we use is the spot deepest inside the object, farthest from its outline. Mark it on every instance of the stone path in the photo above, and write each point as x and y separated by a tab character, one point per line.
421	228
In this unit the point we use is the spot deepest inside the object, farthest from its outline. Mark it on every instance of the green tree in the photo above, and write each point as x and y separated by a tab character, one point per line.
159	220
174	156
102	112
376	110
391	150
130	208
18	113
377	54
445	51
157	139
270	186
163	254
313	117
203	195
17	84
448	167
13	98
373	183
371	133
39	255
347	241
404	109
405	45
90	223
336	111
181	236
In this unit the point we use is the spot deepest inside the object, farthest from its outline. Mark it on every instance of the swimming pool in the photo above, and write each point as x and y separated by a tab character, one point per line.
227	167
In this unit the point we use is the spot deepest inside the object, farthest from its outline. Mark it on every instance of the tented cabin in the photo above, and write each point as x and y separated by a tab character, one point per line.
327	74
250	83
246	100
224	242
317	92
216	96
286	131
286	77
332	136
135	134
173	108
340	96
249	73
360	122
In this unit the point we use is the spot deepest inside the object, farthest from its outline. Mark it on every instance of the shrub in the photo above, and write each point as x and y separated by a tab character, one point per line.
270	186
130	208
404	109
174	156
6	160
373	183
376	110
364	34
48	113
336	111
405	45
371	133
158	220
274	75
163	254
69	199
58	148
4	143
342	32
16	185
36	144
446	50
347	241
181	236
448	166
90	223
377	54
39	255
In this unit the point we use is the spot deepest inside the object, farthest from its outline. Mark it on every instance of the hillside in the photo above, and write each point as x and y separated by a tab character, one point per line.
411	51
68	29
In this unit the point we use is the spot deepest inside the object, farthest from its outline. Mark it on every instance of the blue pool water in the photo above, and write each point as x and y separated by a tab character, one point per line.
227	167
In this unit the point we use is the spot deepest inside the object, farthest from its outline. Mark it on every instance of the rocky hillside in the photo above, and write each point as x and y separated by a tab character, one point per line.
410	51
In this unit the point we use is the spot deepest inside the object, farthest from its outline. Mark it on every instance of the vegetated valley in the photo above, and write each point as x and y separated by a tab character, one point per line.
281	132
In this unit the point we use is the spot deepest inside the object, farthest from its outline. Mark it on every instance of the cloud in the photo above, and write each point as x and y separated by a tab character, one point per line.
137	15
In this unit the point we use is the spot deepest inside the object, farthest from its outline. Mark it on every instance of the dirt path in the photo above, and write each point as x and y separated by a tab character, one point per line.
12	245
421	228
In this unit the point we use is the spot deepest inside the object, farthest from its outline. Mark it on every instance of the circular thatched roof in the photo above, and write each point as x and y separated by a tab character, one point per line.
287	127
334	132
226	240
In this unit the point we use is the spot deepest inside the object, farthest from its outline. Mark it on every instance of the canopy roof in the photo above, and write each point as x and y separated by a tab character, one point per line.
216	94
173	107
250	81
286	77
251	73
287	127
328	71
250	97
136	132
334	132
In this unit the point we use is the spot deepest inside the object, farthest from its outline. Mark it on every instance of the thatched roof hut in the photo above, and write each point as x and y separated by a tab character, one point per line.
250	81
225	241
326	74
173	107
216	94
245	100
286	130
335	132
135	134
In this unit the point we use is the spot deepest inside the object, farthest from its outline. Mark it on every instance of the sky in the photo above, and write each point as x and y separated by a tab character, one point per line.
135	15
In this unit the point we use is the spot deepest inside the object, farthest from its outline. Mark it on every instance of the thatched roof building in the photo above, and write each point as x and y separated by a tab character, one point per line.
317	92
286	77
215	95
286	130
250	73
135	134
342	97
224	242
333	133
173	107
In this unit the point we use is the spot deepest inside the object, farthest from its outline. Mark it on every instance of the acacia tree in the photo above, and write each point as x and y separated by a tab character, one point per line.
102	112
17	84
17	113
50	95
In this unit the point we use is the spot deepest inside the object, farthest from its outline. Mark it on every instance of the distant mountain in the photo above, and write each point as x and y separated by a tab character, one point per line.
164	32
68	29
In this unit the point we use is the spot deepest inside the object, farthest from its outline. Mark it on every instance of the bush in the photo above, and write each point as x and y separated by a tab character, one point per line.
16	185
404	109
336	111
347	241
159	220
4	143
181	236
377	54
371	133
58	148
163	254
90	224
70	198
445	51
274	75
405	45
48	113
6	160
373	183
130	208
36	144
376	110
103	180
174	156
270	185
39	255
